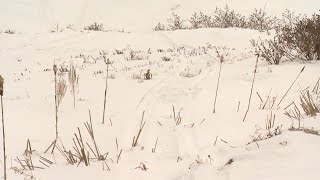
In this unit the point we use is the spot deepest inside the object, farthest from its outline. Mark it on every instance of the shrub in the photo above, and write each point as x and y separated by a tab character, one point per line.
225	18
94	27
200	20
302	37
259	20
9	31
159	27
175	22
271	50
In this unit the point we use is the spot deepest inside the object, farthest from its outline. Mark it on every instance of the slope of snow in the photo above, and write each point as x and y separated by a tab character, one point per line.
140	15
204	141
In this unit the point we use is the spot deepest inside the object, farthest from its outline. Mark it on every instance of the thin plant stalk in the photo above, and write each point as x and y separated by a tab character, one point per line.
4	143
254	77
215	99
291	86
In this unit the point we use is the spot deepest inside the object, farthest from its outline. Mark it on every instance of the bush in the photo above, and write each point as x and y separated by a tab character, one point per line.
271	50
200	20
302	37
159	27
94	27
9	31
225	18
296	37
259	20
175	22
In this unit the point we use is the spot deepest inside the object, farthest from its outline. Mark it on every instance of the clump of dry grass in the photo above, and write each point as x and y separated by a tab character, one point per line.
73	78
308	104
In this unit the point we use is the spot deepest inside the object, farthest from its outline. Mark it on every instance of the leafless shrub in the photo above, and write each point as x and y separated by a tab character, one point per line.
271	50
302	38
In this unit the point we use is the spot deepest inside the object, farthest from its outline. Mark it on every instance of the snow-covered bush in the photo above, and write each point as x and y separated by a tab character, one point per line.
271	50
259	20
225	18
200	20
175	22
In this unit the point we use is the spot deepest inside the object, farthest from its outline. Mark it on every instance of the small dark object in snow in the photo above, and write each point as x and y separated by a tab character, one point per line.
229	162
148	75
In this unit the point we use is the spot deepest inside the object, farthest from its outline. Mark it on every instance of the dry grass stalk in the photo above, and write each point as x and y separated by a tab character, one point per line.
179	159
221	57
259	97
264	104
308	104
90	130
80	149
60	88
73	78
136	138
45	161
295	114
107	62
119	156
155	146
270	122
215	142
316	87
28	151
290	86
4	138
197	161
177	117
202	121
254	76
142	166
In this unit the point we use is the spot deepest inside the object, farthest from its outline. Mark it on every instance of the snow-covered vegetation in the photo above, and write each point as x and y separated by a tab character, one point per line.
92	90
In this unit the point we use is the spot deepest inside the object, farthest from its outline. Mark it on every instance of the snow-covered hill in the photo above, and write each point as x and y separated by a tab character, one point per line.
185	68
139	15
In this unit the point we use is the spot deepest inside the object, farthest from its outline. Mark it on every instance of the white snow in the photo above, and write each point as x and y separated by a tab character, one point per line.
29	93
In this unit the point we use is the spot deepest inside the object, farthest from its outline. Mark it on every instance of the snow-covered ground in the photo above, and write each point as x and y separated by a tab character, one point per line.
205	145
